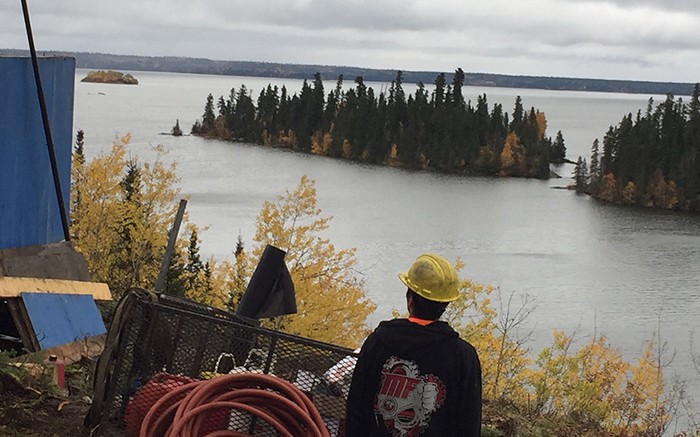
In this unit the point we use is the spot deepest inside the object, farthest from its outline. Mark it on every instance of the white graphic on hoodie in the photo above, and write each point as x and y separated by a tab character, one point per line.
406	399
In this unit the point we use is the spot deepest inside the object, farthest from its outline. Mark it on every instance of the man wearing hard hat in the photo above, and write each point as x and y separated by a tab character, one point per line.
416	377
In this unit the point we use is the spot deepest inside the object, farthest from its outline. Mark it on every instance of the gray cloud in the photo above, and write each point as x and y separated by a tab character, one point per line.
626	39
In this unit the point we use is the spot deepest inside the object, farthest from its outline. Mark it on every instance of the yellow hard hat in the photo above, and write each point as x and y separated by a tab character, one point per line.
433	277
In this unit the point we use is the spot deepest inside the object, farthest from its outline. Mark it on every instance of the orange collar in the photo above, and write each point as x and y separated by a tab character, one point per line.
422	322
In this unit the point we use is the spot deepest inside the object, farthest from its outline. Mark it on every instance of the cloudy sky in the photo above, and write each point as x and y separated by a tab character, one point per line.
657	40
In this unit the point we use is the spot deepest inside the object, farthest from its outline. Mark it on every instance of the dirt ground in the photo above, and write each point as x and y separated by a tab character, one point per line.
39	415
31	413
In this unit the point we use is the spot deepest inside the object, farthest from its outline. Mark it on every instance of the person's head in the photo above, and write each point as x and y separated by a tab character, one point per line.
423	308
432	283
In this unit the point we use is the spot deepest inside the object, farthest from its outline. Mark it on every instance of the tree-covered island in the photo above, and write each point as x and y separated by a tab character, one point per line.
437	131
110	76
651	159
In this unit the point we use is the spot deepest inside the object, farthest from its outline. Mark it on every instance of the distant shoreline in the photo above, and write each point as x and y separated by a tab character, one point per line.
330	73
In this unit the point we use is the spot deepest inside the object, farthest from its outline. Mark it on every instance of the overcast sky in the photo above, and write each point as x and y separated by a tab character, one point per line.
657	40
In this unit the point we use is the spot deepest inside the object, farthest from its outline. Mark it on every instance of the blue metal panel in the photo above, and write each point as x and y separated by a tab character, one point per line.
29	213
62	318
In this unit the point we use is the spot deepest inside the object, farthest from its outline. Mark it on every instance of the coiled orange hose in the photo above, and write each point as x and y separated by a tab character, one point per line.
185	410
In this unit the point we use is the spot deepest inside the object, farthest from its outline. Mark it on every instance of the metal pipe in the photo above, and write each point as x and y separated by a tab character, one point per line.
47	128
172	239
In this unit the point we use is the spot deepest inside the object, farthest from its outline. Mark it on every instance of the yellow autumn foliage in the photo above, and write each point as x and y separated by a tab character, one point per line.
122	227
628	194
504	360
662	193
331	301
541	124
608	189
321	143
601	390
512	156
288	138
347	149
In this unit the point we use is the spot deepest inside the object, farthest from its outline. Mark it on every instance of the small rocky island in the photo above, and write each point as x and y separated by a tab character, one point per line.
110	76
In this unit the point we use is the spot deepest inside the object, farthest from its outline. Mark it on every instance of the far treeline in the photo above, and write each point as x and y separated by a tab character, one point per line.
437	131
177	64
651	159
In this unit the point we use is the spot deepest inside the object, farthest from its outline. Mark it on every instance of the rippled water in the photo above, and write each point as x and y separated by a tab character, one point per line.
586	266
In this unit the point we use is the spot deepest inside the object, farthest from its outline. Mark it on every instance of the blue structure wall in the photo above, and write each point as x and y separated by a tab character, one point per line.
29	213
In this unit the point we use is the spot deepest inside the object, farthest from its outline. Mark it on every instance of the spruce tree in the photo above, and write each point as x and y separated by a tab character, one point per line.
175	283
194	265
77	173
580	175
518	119
594	175
208	117
128	250
176	131
79	150
558	152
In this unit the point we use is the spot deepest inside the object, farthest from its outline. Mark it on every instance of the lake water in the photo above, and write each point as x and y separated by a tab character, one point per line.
587	267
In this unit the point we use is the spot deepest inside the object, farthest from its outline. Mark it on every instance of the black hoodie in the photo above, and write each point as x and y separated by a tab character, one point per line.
412	380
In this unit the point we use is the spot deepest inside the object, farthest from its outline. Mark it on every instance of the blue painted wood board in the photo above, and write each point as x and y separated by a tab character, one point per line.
62	318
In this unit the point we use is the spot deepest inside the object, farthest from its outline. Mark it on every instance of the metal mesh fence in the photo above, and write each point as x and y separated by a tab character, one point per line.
165	343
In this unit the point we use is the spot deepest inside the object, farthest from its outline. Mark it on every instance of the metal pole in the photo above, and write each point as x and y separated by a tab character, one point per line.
47	128
172	238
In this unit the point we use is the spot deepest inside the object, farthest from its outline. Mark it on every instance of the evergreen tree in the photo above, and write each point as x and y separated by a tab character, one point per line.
207	285
689	165
79	151
175	283
244	125
437	151
481	127
595	176
498	128
222	106
193	267
418	110
558	149
580	175
176	131
518	120
130	252
317	104
457	84
208	117
397	110
77	176
268	103
240	247
331	110
670	144
609	151
375	135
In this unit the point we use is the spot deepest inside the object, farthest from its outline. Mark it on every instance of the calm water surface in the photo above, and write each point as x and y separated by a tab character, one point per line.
587	267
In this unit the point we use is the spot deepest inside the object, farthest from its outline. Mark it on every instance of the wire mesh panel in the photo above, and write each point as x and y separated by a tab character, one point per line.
166	346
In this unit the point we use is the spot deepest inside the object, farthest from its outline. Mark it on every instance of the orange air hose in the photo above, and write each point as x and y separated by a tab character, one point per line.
186	410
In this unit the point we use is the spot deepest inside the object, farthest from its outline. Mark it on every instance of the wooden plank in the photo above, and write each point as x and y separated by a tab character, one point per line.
13	286
23	324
